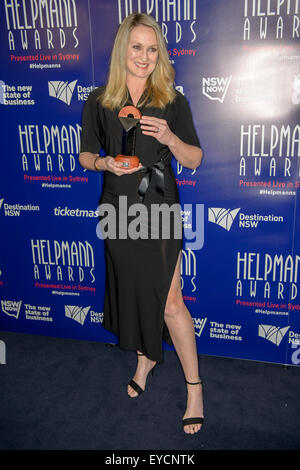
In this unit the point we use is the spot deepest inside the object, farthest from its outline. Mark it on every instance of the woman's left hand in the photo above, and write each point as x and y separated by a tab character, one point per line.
157	128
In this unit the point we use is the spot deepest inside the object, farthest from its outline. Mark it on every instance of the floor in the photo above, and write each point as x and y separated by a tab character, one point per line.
64	394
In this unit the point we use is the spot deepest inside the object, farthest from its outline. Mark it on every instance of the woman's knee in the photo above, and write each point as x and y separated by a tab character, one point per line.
174	306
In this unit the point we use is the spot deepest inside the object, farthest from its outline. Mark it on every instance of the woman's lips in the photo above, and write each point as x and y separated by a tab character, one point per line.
141	66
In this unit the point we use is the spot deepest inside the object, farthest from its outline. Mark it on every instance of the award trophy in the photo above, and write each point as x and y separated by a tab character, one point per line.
129	117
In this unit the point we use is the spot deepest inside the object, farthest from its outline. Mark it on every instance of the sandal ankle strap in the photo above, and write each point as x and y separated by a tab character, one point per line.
194	383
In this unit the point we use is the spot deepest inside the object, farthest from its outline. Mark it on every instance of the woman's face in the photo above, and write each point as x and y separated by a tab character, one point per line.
142	52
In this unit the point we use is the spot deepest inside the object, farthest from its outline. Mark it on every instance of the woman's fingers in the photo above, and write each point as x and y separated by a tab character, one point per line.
157	128
118	169
128	171
153	124
152	120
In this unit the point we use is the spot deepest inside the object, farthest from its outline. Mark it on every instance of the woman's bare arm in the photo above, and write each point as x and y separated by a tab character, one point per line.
94	162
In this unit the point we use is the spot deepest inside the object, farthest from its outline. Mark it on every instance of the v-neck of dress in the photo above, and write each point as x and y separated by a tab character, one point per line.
130	100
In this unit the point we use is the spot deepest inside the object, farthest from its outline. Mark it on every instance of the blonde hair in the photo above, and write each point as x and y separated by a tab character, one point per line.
159	88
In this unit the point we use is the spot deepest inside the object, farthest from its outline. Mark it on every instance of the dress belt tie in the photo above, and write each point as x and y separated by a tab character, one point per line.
157	168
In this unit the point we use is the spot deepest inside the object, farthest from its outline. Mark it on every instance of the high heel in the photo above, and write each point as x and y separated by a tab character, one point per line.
136	386
193	420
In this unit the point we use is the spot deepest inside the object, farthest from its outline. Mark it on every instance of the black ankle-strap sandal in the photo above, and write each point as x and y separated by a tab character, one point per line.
136	386
197	419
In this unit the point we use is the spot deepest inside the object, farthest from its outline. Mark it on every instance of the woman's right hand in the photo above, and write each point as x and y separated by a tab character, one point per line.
117	168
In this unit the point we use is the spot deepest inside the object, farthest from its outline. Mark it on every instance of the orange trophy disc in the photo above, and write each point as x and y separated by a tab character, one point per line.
129	117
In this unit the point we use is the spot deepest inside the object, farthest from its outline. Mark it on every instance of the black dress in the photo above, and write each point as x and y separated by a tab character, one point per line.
139	271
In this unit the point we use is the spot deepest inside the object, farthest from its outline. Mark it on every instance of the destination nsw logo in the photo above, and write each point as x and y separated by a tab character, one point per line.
76	313
225	218
272	333
16	209
64	91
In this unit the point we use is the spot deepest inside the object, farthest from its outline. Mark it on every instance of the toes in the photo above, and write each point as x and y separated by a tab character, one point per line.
192	429
132	393
188	429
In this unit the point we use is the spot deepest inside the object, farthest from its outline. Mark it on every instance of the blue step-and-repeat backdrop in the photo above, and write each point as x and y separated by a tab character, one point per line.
238	64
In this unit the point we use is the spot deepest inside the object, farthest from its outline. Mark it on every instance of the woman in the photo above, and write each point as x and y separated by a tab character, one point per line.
143	298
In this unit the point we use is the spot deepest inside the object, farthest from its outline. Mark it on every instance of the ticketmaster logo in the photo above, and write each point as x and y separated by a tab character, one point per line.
76	313
63	91
272	333
222	217
66	212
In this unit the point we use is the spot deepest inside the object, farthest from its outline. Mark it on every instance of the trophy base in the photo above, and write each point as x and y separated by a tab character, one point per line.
128	161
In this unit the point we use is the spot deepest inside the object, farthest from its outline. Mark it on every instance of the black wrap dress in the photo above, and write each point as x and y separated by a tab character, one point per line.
139	270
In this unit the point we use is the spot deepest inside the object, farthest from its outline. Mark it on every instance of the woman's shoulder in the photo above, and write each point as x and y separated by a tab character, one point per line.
180	99
95	94
179	104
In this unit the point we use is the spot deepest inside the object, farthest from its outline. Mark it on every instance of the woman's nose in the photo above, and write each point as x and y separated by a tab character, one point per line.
144	55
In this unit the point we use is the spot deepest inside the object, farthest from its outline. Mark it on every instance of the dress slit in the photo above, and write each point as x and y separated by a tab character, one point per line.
165	332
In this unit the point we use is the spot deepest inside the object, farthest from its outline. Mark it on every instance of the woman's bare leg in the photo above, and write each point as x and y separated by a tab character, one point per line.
143	368
181	329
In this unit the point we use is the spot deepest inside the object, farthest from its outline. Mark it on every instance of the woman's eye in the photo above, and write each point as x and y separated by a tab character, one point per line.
152	49
136	46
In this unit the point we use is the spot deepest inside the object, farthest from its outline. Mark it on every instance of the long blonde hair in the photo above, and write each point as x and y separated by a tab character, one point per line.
160	84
